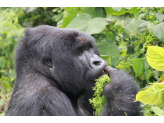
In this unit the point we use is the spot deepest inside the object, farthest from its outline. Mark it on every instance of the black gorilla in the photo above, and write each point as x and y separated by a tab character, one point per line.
56	69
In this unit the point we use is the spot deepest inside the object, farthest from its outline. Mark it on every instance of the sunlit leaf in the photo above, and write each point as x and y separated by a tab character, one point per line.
155	57
152	95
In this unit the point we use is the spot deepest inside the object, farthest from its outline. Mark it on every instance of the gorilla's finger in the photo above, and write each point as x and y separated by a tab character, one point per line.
110	70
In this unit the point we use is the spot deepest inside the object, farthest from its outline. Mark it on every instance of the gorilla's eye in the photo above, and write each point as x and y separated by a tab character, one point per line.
79	52
48	62
87	48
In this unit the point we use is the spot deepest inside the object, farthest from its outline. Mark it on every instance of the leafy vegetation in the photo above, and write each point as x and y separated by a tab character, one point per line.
99	99
129	38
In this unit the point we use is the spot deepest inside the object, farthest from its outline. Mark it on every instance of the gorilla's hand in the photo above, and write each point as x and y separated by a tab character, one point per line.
120	94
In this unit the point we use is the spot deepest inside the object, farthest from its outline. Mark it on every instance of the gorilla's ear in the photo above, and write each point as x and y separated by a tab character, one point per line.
48	62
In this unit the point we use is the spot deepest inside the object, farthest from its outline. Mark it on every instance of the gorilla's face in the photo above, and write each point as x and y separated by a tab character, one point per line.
76	61
68	57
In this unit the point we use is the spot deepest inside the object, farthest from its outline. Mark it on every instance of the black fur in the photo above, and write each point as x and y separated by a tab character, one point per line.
52	79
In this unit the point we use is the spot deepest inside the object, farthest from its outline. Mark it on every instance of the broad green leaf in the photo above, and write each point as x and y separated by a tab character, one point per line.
146	67
107	47
152	95
155	57
160	16
158	31
117	8
95	11
2	62
138	66
158	86
158	111
107	59
69	14
150	27
85	23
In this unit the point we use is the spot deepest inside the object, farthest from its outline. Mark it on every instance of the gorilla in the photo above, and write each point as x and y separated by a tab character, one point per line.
56	70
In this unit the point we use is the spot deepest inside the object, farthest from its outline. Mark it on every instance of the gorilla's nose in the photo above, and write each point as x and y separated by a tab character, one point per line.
96	62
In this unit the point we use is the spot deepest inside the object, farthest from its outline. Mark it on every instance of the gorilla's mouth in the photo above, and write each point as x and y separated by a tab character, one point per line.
102	73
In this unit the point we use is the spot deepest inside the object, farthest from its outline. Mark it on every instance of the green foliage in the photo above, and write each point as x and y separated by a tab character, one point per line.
152	95
85	23
99	99
122	34
138	66
155	57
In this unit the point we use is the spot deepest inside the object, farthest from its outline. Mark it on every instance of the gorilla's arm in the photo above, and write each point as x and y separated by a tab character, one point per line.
121	94
49	101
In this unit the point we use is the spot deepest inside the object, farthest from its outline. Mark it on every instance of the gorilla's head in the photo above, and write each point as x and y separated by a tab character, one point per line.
66	56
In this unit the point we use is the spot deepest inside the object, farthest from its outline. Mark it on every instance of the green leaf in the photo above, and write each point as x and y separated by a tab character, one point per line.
150	27
99	99
2	62
152	95
158	31
138	66
107	59
158	111
69	14
85	23
95	11
60	23
160	16
133	27
107	47
117	8
146	67
142	27
155	57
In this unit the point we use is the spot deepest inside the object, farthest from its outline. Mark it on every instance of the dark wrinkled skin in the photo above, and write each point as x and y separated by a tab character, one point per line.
56	69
